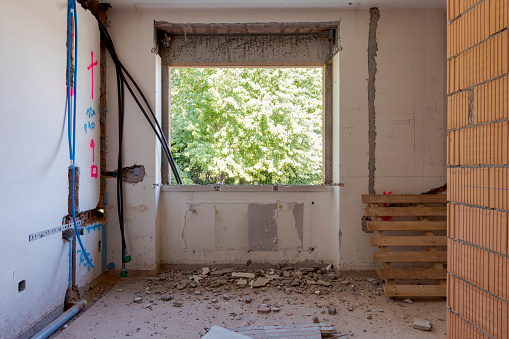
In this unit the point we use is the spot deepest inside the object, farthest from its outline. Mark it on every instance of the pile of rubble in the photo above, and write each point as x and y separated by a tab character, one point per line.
318	280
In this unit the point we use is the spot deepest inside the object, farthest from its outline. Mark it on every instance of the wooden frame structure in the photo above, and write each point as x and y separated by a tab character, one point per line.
414	229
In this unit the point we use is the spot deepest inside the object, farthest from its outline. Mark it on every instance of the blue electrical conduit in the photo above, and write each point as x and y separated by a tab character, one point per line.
58	322
72	149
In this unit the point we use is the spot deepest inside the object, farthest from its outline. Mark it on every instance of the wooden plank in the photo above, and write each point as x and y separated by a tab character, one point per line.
407	225
386	265
415	256
415	290
405	211
436	265
404	198
412	273
290	331
408	240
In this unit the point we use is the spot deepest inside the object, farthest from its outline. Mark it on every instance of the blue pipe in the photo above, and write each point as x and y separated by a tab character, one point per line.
58	322
72	149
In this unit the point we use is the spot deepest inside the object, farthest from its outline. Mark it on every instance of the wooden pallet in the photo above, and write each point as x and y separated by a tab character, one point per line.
412	212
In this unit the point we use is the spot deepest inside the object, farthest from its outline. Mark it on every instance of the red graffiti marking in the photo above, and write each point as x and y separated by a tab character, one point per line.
385	205
94	167
91	67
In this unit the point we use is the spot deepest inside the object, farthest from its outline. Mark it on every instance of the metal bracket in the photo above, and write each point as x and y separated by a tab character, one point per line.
52	231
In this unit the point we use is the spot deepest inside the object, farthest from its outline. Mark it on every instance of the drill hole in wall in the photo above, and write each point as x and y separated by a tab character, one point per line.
22	285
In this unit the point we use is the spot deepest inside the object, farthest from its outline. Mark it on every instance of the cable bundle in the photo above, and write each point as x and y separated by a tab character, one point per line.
122	77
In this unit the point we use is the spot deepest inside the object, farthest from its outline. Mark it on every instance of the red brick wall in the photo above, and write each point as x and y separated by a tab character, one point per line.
478	170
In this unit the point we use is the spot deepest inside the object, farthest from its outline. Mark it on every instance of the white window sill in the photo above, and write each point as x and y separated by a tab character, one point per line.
247	188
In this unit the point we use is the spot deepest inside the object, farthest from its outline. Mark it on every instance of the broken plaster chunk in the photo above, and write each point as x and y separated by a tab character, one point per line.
197	278
260	282
421	324
263	309
323	283
407	300
137	299
221	272
205	270
241	282
166	297
243	275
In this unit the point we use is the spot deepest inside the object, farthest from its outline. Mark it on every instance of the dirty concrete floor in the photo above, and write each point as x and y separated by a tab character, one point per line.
362	309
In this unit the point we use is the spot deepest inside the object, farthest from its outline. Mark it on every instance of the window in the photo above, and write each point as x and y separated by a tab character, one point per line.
249	103
247	125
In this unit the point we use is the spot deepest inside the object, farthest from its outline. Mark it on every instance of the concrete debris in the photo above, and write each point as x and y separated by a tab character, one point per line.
263	309
137	299
241	282
243	275
407	300
166	297
205	270
331	310
119	290
421	324
276	308
372	281
260	282
221	272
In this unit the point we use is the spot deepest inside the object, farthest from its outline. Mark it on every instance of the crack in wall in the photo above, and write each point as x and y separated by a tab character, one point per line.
372	51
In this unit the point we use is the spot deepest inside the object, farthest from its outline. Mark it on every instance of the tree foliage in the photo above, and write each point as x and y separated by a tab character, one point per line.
241	125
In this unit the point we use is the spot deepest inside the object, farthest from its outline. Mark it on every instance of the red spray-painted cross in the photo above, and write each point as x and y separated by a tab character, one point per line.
91	67
94	167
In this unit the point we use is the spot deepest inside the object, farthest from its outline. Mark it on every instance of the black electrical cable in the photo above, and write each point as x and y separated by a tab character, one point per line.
159	133
122	82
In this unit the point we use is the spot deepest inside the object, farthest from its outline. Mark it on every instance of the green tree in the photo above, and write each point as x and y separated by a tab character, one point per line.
241	125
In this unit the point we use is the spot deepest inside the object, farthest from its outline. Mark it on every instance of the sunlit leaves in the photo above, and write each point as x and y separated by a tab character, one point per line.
241	125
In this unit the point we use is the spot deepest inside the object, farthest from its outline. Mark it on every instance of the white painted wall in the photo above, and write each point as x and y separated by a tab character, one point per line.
33	175
212	227
409	86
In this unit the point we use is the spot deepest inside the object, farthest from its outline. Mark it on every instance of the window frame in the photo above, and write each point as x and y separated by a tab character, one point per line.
179	50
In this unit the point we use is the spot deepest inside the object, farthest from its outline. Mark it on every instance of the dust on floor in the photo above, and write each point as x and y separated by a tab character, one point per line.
185	304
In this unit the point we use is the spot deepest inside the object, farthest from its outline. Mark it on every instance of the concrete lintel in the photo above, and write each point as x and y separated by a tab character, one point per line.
247	51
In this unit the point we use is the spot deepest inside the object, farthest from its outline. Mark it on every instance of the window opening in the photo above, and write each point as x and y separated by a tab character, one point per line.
247	125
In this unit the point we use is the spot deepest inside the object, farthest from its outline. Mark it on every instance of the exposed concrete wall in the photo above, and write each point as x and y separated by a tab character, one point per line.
409	87
35	158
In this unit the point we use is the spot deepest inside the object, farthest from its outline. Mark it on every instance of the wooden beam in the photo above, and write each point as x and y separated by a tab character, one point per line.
408	240
404	198
407	225
412	273
416	256
405	211
415	290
